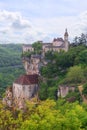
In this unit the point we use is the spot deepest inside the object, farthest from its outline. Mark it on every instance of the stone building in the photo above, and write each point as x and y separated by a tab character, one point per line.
56	45
64	90
27	47
25	88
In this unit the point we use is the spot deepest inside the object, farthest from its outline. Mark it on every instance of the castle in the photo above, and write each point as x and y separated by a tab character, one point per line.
56	45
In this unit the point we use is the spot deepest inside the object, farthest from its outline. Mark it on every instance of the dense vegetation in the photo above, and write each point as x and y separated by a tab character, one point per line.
68	68
10	64
63	68
45	115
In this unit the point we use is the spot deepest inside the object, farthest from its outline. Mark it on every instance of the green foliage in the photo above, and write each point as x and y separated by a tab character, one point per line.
37	47
81	40
10	55
85	89
10	64
75	75
82	57
85	71
26	54
66	67
48	90
49	55
47	114
73	53
59	62
43	92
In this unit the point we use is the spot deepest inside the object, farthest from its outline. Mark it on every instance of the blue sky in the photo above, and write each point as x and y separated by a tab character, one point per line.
25	21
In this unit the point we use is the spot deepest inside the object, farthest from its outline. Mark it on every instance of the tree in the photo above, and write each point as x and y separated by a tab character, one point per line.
81	40
37	47
81	58
75	75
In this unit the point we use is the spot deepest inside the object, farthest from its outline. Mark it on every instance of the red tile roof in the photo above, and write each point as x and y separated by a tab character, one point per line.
27	79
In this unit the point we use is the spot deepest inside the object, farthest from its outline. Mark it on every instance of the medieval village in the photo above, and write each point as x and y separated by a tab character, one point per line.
26	87
51	88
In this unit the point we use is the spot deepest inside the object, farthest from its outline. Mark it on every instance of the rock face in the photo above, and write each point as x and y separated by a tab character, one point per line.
8	99
32	65
64	90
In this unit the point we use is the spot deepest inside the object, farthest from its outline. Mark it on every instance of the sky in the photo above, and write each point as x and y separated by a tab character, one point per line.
27	21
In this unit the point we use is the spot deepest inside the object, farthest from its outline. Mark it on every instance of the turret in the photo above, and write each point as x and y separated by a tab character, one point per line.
66	40
66	35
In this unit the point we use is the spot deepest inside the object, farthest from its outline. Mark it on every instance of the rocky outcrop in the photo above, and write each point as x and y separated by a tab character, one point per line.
8	99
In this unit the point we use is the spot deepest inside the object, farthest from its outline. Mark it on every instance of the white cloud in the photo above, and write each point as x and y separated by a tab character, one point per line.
82	22
20	24
15	28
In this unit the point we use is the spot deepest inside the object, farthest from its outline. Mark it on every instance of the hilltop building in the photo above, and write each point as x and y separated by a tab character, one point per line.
27	48
56	45
25	88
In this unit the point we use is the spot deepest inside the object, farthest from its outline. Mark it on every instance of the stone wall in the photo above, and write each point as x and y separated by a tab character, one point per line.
27	48
24	91
64	90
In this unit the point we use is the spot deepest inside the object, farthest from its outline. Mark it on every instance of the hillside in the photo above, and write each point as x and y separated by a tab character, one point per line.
10	64
67	69
64	69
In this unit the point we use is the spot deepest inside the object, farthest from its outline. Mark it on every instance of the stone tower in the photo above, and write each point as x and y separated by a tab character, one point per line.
66	40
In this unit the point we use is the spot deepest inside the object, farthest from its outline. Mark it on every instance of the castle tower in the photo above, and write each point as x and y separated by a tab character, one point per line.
66	40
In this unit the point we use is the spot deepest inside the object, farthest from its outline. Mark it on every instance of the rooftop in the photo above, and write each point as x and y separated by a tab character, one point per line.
27	79
58	39
49	43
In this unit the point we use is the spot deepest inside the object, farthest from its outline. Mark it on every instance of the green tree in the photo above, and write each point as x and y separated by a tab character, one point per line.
75	75
37	47
81	58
